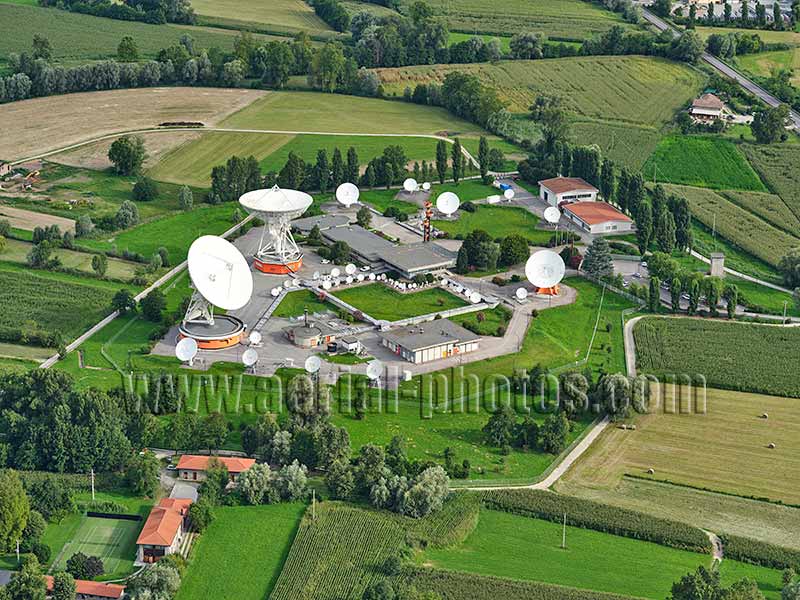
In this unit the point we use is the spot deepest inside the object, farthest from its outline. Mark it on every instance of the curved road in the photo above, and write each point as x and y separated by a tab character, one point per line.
726	70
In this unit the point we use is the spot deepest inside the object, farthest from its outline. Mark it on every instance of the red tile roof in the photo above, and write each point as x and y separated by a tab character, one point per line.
595	213
161	527
562	185
180	505
708	101
235	465
92	588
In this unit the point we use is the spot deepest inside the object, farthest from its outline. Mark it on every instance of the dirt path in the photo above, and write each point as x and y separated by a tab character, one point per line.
717	550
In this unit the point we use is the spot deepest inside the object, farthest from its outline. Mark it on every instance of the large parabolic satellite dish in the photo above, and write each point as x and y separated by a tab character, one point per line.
347	194
186	350
220	273
277	251
552	215
448	203
410	185
545	269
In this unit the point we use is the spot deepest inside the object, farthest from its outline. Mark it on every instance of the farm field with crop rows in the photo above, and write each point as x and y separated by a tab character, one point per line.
779	167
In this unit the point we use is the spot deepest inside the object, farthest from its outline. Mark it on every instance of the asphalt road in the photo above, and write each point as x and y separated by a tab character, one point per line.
726	70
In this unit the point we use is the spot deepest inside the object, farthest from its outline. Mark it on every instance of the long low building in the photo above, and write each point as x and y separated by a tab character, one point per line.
597	217
566	189
192	467
91	590
430	341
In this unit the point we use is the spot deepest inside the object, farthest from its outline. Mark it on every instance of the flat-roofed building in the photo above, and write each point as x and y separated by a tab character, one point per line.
418	259
557	190
324	222
430	341
597	217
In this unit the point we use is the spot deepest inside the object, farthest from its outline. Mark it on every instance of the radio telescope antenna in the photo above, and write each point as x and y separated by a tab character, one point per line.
545	270
347	194
335	272
186	350
448	203
410	185
277	252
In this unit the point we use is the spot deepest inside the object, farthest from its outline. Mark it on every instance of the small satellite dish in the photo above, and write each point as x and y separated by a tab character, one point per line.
426	186
448	203
467	292
552	215
521	294
410	185
275	292
313	364
255	337
250	357
475	297
315	276
349	279
326	285
186	349
493	199
288	283
335	272
545	269
220	273
374	370
360	277
372	276
509	194
347	194
350	269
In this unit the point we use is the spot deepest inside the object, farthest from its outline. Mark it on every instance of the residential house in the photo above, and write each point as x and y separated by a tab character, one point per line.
707	108
164	530
192	467
92	590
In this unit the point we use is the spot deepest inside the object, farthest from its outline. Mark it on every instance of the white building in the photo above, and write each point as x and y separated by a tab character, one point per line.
566	189
430	341
597	217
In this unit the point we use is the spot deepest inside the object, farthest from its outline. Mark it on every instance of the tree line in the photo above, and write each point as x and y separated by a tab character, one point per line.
155	12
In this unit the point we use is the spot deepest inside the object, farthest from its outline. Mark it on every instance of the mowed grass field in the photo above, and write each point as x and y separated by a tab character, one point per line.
724	450
242	539
701	161
289	14
112	540
764	63
627	145
335	113
294	303
628	89
31	127
517	547
383	303
560	19
738	225
497	221
17	252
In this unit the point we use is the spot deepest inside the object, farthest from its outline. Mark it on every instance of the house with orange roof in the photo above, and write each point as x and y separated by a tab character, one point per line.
164	530
597	218
92	590
558	190
192	467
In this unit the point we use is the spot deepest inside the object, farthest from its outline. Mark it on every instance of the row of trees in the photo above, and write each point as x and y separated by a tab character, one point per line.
147	11
746	18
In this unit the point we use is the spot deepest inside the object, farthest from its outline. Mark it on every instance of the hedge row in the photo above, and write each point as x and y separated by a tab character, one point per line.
452	585
759	553
599	517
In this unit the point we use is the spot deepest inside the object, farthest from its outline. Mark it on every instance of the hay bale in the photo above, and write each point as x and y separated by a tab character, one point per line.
765	416
651	471
771	446
632	427
623	426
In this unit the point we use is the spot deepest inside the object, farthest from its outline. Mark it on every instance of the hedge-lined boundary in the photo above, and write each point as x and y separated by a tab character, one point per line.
587	514
759	553
454	585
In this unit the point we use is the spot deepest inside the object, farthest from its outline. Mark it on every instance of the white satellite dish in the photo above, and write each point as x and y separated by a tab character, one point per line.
313	364
335	272
326	285
509	194
347	194
255	337
410	185
275	292
426	186
350	269
372	276
220	273
250	357
360	277
475	297
545	269
288	283
315	276
374	369
186	349
493	199
349	279
448	203
552	215
521	294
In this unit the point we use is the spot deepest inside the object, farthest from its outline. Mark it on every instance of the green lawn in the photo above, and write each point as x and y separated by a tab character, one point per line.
241	554
17	251
16	365
383	199
383	303
294	303
702	161
516	547
113	540
498	222
491	321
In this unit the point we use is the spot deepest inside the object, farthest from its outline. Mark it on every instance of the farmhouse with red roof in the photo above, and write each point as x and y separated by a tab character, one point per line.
192	467
164	530
91	590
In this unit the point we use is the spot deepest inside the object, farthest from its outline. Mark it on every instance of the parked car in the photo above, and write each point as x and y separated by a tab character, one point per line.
365	268
325	261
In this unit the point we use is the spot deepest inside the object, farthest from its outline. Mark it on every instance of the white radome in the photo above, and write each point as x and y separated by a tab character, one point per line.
448	203
347	194
186	349
220	273
545	269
